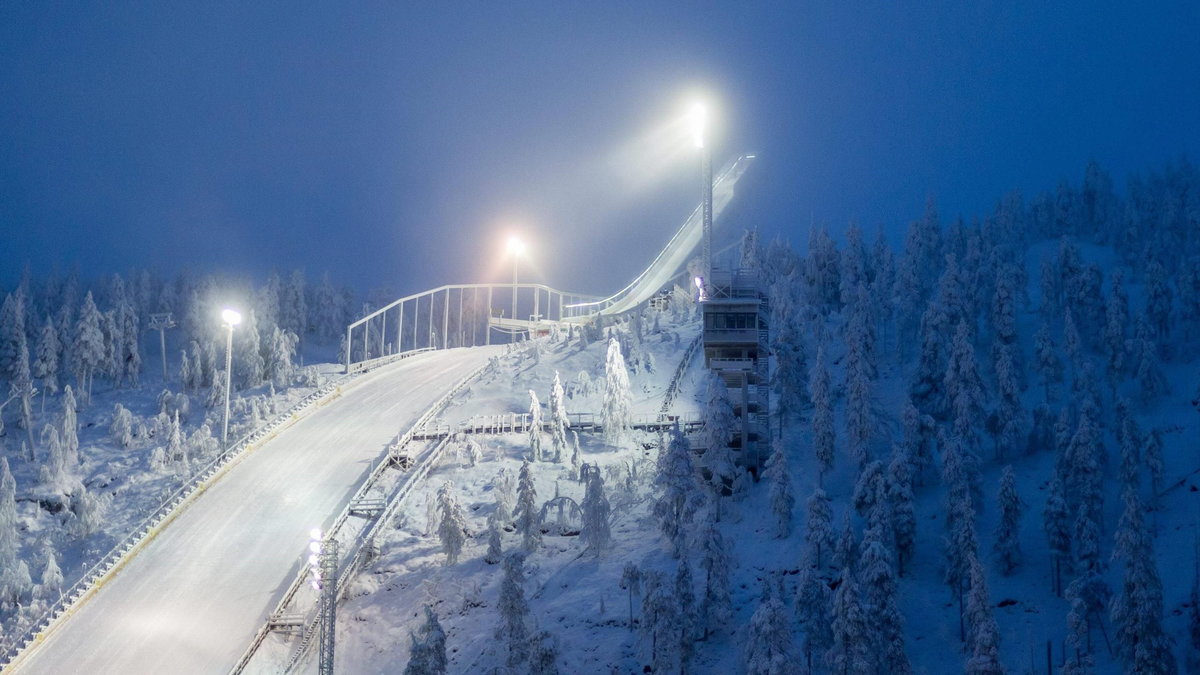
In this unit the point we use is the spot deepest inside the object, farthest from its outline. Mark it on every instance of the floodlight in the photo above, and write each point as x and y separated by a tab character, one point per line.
231	317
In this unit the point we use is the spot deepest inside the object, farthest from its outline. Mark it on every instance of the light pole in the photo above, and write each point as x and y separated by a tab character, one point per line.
515	248
322	564
161	322
231	318
699	131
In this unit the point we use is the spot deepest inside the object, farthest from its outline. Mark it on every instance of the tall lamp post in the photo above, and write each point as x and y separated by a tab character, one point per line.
231	319
699	130
515	248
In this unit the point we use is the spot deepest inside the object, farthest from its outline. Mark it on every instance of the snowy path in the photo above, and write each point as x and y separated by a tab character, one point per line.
194	597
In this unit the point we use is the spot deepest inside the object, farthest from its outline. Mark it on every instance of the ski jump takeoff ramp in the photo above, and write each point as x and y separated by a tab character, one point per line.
192	599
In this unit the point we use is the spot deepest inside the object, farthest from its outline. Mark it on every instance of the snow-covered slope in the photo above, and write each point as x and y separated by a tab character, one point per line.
190	602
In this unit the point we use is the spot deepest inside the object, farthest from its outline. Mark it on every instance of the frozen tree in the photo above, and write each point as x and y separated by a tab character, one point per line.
963	386
495	551
12	332
718	426
848	652
1116	317
88	347
427	655
1073	344
504	498
1049	365
1159	300
878	580
845	549
685	595
559	422
22	386
452	527
121	429
535	427
822	418
631	581
52	578
787	345
869	488
819	531
898	490
514	611
1152	452
70	429
919	438
927	389
1056	523
984	644
281	364
823	274
595	531
176	451
53	473
812	612
1137	608
1010	415
9	541
1008	542
716	607
769	649
677	501
45	364
858	404
293	308
543	653
527	511
618	399
662	624
782	501
1152	383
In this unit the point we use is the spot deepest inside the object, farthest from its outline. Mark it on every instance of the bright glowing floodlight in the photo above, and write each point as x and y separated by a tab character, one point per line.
699	123
231	317
315	534
515	245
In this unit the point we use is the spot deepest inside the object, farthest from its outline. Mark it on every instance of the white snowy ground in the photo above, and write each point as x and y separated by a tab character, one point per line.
578	599
193	598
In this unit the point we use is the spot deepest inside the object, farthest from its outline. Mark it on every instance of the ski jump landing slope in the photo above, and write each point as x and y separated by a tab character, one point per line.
194	597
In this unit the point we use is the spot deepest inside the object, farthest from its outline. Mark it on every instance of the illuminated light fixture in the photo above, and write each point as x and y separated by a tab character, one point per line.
699	117
231	317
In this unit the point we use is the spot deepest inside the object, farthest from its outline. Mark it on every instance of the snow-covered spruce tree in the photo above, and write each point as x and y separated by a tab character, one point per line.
427	655
88	349
1008	543
919	438
858	404
868	489
10	544
595	531
559	422
1152	383
782	501
822	418
769	648
689	621
716	606
1152	452
845	549
527	514
898	490
12	331
848	652
853	266
22	386
543	653
503	485
812	612
121	428
927	387
1049	365
513	630
45	364
50	588
176	451
662	624
1159	301
452	528
678	499
964	387
53	473
281	364
819	525
718	426
878	580
787	344
70	429
823	273
631	581
618	398
1116	316
960	543
1137	608
535	428
1056	523
1010	414
984	643
495	551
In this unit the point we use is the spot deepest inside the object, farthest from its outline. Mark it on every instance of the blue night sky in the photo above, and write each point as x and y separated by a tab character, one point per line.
397	145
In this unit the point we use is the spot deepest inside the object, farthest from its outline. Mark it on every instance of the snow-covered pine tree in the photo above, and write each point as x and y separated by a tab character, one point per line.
527	515
559	422
812	612
878	580
1010	414
848	652
595	531
1137	608
919	439
1152	452
964	387
513	630
898	490
10	544
718	426
769	648
1116	316
452	526
12	332
662	624
45	364
984	643
52	579
685	594
121	429
1056	523
1008	542
868	489
88	347
631	581
845	549
927	387
535	428
1049	365
543	653
1152	383
679	498
427	655
716	606
494	552
819	525
858	402
618	399
782	500
69	429
822	419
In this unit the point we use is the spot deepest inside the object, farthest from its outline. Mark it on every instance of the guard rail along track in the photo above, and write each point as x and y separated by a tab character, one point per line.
355	548
70	600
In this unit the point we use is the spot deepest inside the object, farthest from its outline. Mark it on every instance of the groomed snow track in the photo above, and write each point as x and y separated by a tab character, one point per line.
194	589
